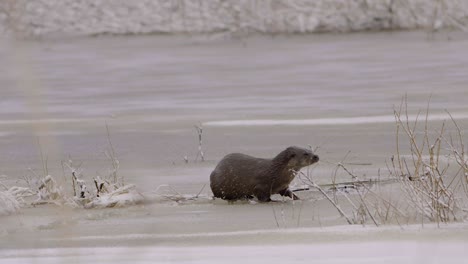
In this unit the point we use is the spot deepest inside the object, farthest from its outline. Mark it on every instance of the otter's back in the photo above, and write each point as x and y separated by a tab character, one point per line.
236	174
240	163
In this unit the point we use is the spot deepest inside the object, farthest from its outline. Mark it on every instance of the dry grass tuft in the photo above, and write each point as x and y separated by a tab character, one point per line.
431	187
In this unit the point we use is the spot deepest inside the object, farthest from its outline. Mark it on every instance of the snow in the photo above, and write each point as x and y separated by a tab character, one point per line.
88	17
50	192
11	199
8	203
123	196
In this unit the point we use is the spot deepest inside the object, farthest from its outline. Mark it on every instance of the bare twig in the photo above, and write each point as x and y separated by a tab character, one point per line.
313	184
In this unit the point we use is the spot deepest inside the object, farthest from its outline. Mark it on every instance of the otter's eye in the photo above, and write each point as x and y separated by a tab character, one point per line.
306	154
293	155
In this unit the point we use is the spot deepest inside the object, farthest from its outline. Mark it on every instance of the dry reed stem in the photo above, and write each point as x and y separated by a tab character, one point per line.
200	153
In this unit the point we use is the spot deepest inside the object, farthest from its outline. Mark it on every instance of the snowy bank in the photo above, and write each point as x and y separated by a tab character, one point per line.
88	17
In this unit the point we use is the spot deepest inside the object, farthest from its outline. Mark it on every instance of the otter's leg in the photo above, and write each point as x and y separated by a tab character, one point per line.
262	193
288	193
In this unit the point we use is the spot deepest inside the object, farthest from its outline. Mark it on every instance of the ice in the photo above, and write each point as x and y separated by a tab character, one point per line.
348	230
326	253
334	121
350	244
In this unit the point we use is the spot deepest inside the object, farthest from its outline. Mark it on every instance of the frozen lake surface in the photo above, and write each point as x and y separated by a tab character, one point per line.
152	90
340	244
256	95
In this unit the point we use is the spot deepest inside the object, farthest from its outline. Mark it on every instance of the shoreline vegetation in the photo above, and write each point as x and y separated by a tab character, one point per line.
429	167
46	18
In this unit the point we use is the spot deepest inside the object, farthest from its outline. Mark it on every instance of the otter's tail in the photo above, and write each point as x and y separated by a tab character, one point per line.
214	185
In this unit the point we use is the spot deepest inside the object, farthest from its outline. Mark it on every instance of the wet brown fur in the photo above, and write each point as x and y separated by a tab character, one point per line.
239	176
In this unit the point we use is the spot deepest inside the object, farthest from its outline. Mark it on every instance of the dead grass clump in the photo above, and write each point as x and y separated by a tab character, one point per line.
109	191
10	198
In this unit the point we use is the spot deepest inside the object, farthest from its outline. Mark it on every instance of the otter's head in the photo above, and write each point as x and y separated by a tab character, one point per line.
297	158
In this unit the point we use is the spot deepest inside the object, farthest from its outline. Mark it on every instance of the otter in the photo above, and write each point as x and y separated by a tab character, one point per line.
239	176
